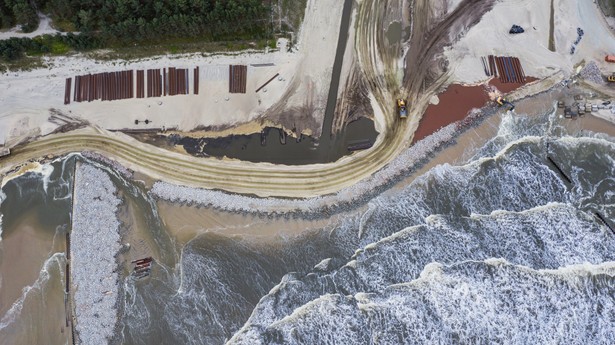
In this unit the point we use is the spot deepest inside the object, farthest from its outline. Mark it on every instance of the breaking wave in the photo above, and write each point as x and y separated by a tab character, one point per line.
503	249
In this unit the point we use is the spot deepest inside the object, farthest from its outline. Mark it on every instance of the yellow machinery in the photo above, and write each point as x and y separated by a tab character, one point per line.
501	101
401	108
611	78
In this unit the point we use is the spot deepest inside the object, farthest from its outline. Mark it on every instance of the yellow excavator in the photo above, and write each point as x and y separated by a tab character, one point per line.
401	108
611	78
501	101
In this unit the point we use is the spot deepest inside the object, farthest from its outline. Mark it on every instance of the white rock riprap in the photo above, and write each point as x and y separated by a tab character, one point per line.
406	161
95	241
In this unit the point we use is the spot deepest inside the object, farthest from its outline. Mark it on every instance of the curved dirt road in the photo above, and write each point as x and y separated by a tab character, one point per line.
263	179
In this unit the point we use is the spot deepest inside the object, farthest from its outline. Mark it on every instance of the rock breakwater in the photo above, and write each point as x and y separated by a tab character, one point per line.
95	241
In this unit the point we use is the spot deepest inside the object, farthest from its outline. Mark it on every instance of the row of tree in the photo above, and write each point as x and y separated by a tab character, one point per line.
134	20
14	48
18	12
102	23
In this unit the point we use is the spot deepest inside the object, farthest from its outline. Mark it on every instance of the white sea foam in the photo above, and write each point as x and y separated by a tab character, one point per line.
468	302
548	236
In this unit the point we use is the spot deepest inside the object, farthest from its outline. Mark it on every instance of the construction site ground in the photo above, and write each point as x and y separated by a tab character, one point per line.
447	39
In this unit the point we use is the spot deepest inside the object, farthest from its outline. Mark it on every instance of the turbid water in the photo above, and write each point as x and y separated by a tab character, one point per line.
500	248
273	149
35	212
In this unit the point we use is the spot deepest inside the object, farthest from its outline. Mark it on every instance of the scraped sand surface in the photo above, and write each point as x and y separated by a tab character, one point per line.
304	79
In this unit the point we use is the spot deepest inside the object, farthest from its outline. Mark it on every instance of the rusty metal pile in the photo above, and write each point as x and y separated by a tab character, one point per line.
140	84
111	86
67	90
237	78
177	81
507	68
108	86
154	83
142	267
267	82
196	80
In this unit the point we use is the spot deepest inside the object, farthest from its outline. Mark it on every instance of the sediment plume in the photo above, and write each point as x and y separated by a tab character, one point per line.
95	241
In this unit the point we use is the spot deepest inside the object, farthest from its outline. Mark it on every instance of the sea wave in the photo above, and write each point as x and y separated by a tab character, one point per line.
512	213
52	266
484	302
549	236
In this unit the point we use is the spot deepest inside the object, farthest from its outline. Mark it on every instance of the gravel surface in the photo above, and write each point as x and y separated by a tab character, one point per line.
357	193
95	240
592	73
125	172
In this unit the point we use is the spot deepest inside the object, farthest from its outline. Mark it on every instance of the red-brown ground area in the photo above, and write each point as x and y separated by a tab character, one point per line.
455	104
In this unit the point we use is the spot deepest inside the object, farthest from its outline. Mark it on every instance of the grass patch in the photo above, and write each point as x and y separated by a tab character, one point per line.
59	48
179	46
24	64
63	25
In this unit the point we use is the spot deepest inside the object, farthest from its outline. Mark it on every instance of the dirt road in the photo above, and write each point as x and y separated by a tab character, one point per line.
379	63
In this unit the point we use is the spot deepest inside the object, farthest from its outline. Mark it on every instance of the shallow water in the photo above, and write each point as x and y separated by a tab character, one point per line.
35	212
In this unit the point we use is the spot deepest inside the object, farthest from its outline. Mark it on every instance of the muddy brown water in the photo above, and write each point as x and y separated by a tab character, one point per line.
455	104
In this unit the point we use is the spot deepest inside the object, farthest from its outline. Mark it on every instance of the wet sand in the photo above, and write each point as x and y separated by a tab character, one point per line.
134	230
24	248
186	222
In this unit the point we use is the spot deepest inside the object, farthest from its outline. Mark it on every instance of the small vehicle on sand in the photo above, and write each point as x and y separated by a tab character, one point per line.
401	108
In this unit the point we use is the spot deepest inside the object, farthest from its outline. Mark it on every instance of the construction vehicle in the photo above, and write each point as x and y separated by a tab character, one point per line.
581	111
401	108
611	78
501	101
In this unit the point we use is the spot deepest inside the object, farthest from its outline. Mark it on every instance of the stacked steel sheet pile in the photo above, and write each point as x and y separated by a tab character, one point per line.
177	81
507	68
121	85
67	88
140	84
237	78
196	80
154	83
108	86
142	267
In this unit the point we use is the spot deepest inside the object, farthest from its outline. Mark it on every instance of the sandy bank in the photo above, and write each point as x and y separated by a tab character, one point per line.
302	84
